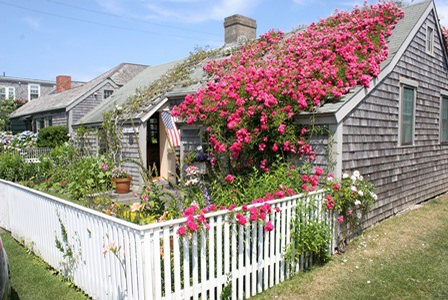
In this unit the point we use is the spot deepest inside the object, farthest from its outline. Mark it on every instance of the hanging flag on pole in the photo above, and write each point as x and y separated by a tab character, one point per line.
172	132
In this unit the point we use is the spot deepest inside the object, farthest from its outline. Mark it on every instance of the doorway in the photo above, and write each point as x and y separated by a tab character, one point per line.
153	145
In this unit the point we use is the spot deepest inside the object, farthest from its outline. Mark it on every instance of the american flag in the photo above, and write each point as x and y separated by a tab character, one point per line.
171	130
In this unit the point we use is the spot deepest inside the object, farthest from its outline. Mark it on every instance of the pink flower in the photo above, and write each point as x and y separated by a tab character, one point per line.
291	192
201	218
232	206
275	148
340	219
241	219
279	194
182	231
269	226
253	217
350	212
136	206
281	128
253	210
104	167
222	207
213	207
319	171
244	207
229	178
262	216
277	209
336	186
192	225
189	211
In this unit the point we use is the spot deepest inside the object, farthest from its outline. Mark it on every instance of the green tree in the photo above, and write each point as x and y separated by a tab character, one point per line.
6	108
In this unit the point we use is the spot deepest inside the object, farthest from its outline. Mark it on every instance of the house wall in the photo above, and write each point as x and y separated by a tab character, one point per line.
89	103
58	117
21	88
403	176
130	143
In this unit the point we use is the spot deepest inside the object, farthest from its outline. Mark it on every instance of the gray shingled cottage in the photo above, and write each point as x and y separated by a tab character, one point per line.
71	100
395	132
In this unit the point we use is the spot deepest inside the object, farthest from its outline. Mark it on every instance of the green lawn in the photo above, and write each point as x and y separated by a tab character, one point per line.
31	278
404	257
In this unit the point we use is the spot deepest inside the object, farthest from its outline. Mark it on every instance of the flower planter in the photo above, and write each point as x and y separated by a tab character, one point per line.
122	185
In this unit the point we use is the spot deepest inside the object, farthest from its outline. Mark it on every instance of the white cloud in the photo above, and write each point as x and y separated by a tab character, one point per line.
194	11
33	22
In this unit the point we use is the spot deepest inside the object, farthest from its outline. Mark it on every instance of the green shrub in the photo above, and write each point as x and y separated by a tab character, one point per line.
13	168
52	136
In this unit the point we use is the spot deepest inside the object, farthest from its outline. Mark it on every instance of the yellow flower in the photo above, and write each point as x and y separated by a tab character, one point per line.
136	206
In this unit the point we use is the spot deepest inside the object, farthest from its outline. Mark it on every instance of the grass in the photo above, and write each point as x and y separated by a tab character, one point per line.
404	257
32	278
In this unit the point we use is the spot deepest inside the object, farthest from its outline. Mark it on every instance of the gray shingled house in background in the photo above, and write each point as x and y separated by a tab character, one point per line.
70	102
395	132
24	89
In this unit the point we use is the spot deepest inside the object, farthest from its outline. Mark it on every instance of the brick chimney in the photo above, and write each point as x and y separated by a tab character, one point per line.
63	83
238	28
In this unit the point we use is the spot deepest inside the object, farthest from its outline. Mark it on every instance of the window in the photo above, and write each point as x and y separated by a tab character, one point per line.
107	93
407	116
41	123
34	91
7	93
49	121
444	120
429	39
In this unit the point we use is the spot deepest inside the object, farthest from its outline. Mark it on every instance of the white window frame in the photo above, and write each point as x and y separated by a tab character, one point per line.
29	90
13	92
412	84
432	37
7	92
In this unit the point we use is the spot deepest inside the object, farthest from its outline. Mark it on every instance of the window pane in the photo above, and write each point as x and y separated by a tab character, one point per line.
407	116
444	125
429	39
108	93
11	93
2	93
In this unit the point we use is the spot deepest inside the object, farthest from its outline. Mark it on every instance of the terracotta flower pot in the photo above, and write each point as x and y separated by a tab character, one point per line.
122	185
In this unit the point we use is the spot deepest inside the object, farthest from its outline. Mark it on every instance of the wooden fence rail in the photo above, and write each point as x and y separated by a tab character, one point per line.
115	259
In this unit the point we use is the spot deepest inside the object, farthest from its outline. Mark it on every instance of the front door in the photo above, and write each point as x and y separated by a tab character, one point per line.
152	145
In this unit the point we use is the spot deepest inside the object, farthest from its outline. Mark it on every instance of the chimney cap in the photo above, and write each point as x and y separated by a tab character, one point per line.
239	19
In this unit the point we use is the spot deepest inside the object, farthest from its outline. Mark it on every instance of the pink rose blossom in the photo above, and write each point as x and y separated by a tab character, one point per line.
269	226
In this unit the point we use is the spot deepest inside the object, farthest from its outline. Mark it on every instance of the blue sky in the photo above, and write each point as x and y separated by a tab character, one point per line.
84	38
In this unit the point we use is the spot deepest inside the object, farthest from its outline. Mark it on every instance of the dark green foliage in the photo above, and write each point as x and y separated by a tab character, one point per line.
52	136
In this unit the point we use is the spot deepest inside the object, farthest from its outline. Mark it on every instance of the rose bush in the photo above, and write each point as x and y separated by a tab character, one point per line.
248	107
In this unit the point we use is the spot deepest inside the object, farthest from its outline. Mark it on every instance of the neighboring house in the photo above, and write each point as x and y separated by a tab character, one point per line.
24	89
70	102
395	132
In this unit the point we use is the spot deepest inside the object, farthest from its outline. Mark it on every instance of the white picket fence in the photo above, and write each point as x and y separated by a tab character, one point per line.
153	261
32	155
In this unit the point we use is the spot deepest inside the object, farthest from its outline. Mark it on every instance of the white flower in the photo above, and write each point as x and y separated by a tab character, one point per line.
357	202
356	174
199	148
330	178
354	189
374	196
345	175
353	178
361	178
360	193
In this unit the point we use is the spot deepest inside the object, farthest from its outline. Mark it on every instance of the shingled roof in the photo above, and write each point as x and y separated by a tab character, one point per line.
403	28
119	75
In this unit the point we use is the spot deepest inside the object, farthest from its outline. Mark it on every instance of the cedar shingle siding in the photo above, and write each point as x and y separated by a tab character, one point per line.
403	175
89	103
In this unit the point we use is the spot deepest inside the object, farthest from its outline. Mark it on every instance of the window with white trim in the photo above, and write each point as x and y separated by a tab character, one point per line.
429	39
11	93
34	91
8	92
444	120
2	93
407	115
